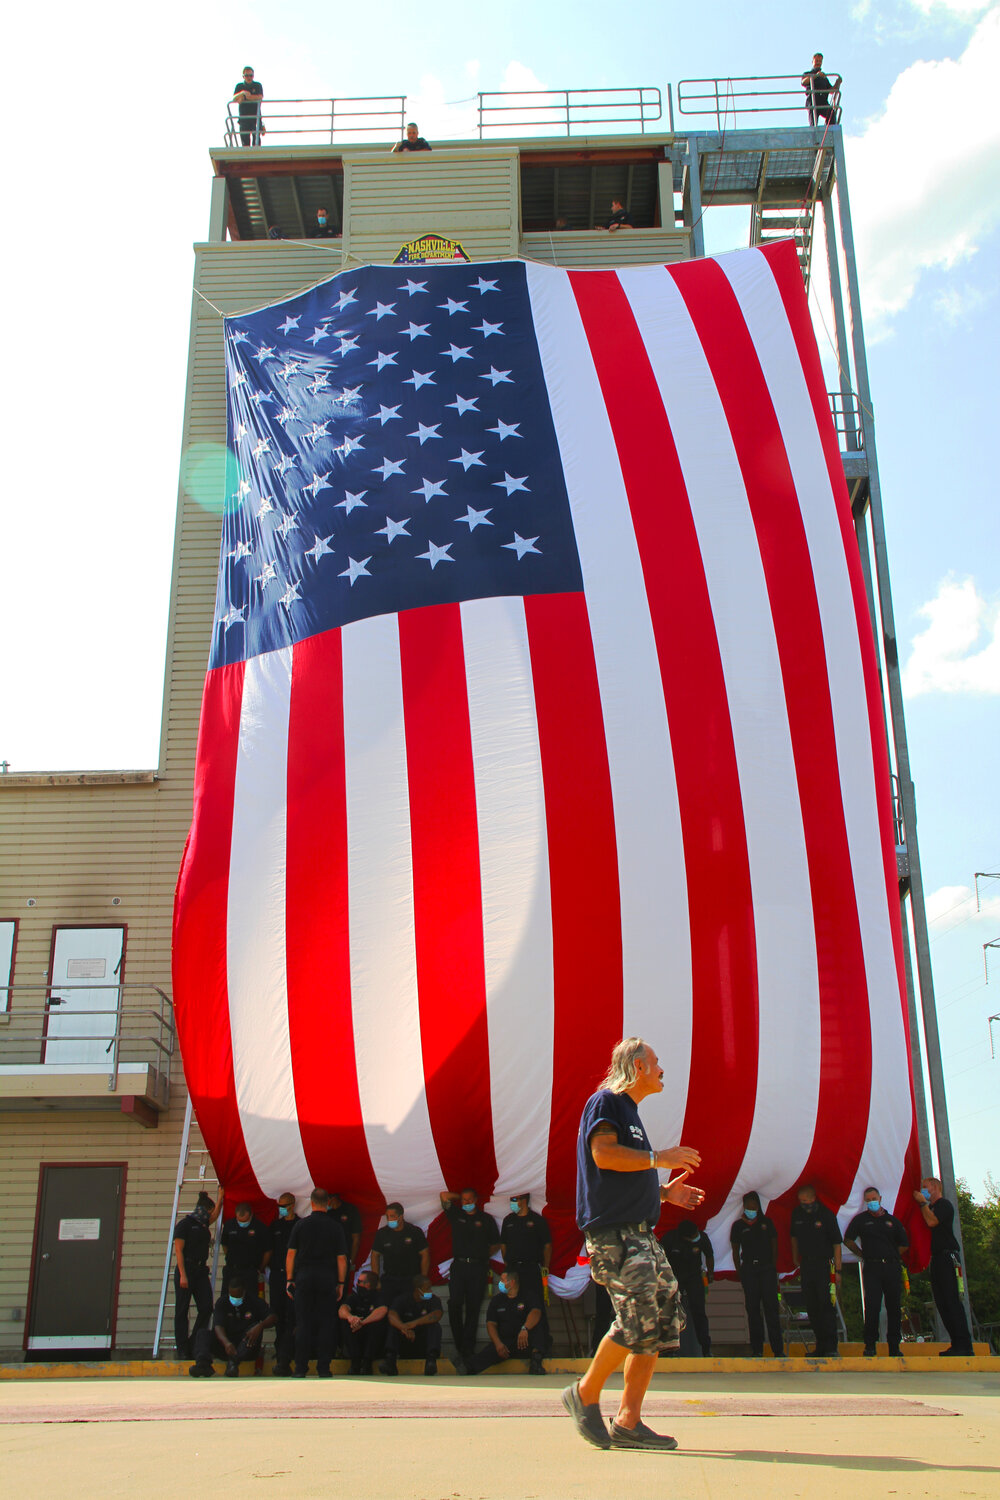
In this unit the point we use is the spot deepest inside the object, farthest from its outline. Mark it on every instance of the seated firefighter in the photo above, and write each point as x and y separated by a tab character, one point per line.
513	1323
363	1317
238	1327
414	1328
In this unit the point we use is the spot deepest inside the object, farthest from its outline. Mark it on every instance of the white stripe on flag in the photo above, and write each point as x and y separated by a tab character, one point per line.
385	1004
889	1114
255	933
788	1056
514	871
656	936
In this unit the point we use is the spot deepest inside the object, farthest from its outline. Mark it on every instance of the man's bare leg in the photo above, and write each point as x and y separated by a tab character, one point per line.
609	1358
638	1373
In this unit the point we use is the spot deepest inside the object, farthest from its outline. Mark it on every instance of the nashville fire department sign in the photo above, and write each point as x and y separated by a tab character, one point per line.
429	247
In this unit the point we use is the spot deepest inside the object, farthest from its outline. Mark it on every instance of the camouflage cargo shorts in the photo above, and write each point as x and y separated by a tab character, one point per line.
631	1265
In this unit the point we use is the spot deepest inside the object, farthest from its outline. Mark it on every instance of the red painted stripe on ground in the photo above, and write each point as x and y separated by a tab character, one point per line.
723	948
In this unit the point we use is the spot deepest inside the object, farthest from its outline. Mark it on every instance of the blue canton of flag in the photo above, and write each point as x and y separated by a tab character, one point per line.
394	448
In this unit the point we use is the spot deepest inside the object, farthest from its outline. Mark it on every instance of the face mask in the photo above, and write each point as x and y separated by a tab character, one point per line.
873	1205
468	1208
392	1223
810	1208
201	1214
502	1287
515	1207
283	1212
426	1296
236	1301
321	221
925	1193
750	1213
243	1223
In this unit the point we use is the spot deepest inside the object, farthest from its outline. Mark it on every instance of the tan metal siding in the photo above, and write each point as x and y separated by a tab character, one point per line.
595	248
470	196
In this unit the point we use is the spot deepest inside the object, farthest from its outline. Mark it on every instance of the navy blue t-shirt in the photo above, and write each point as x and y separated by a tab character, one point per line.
604	1198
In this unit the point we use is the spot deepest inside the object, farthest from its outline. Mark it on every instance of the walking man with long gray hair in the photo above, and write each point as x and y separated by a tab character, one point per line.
618	1197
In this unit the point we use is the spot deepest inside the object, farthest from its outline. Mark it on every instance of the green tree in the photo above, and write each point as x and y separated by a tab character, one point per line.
981	1241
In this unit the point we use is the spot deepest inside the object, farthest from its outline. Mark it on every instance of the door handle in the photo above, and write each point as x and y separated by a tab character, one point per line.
45	1255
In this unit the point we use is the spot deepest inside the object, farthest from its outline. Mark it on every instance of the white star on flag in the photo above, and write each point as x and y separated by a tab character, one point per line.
469	460
417	331
381	360
319	383
521	546
392	528
474	518
264	352
505	429
389	466
497	377
267	576
482	286
266	504
435	554
381	310
431	488
388	414
424	432
419	378
344	299
351	501
320	547
462	404
349	444
317	334
356	570
290	595
241	550
286	524
451	307
317	431
414	286
347	344
288	325
317	483
454	353
232	616
510	484
487	328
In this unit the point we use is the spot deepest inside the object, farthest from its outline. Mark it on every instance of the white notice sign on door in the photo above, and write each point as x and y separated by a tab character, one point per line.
86	968
79	1229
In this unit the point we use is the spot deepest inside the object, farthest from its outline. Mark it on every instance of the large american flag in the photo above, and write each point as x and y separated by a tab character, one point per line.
542	709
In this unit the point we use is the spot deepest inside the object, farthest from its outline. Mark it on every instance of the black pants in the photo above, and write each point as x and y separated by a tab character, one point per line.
820	1310
250	129
393	1287
315	1310
426	1343
199	1288
944	1285
207	1348
760	1290
466	1289
488	1355
693	1292
367	1344
529	1278
283	1308
882	1281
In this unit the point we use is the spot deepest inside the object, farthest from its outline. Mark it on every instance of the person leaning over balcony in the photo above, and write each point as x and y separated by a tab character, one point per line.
818	88
249	93
620	217
414	140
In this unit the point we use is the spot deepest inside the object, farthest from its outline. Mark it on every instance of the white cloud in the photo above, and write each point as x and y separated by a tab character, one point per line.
953	905
959	652
923	174
961	304
964	9
444	119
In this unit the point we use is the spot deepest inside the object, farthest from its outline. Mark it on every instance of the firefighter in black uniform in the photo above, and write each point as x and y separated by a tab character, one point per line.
513	1322
282	1305
349	1219
414	1328
876	1238
754	1240
399	1252
245	1242
362	1316
192	1247
816	1250
689	1251
238	1325
939	1216
315	1271
526	1247
475	1238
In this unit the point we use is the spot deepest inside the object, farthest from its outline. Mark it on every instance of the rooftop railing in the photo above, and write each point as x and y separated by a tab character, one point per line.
572	110
86	1026
317	122
726	99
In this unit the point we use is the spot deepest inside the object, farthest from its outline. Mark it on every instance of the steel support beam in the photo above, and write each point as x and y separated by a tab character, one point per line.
932	1039
693	197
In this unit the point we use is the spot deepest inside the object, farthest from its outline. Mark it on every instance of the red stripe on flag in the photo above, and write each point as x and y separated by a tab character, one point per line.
720	901
317	931
199	937
783	263
447	895
845	1029
583	879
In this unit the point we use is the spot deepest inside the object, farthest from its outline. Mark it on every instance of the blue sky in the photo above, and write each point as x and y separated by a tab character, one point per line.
112	186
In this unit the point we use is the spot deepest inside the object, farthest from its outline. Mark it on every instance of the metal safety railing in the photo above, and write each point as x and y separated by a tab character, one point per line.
136	1025
565	111
725	99
316	122
846	409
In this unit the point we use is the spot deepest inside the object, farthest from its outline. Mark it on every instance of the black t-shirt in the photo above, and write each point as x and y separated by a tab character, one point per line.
362	1302
819	85
685	1254
880	1236
281	1233
410	1307
347	1216
509	1313
400	1250
605	1198
524	1238
245	1247
755	1241
248	108
943	1241
236	1321
472	1235
621	217
317	1241
325	232
197	1239
418	145
816	1232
